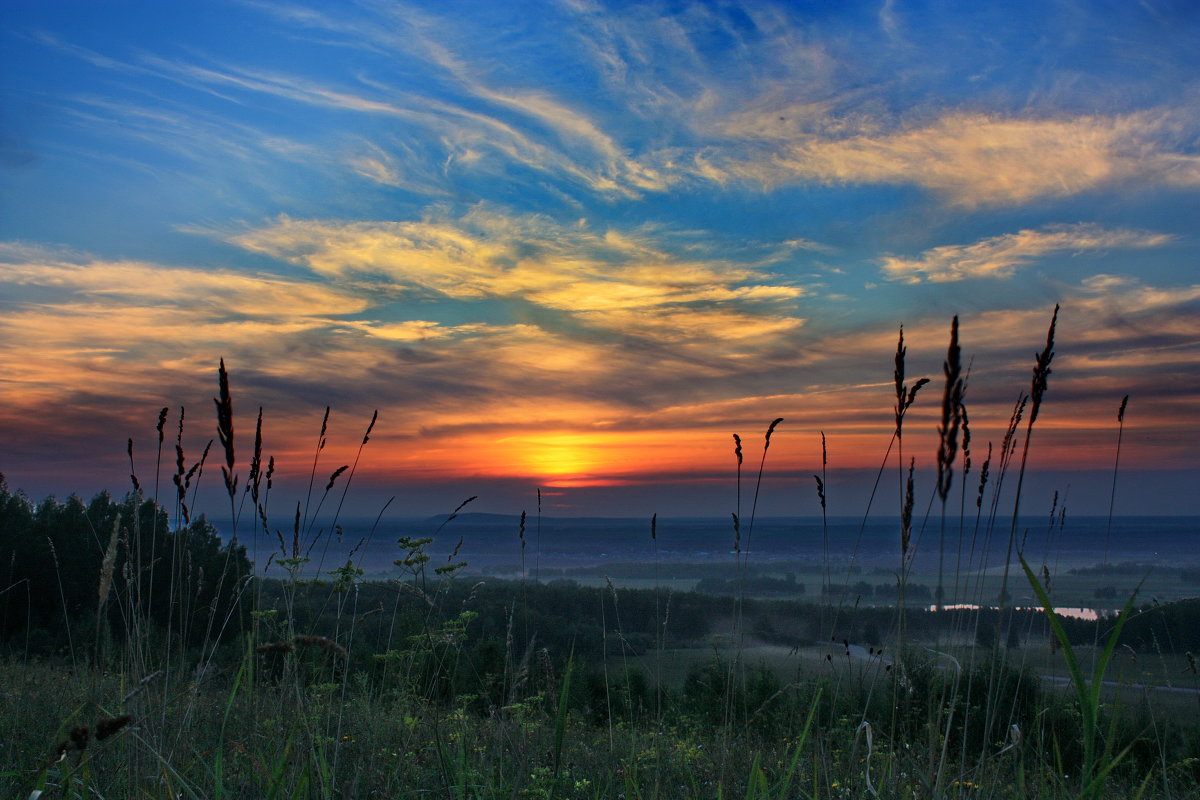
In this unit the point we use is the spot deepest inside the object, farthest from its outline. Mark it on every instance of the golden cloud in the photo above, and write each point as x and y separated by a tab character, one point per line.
971	159
222	292
620	281
1001	256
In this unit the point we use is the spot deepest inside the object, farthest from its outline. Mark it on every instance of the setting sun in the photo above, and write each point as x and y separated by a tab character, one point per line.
559	456
586	399
582	247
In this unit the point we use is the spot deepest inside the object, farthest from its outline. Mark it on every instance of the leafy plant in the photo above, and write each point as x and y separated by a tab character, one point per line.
1096	764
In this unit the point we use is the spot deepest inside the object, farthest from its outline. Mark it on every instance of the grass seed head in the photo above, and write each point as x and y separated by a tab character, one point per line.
906	514
137	487
111	726
224	404
1041	371
162	421
325	644
966	438
905	395
254	479
180	472
951	413
79	736
275	649
336	474
770	430
370	427
324	429
983	476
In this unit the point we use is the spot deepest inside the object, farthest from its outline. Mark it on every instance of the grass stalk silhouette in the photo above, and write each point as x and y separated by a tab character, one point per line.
1038	387
1112	494
345	687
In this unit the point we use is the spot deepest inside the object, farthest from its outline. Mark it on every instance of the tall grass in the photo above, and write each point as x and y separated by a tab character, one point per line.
434	684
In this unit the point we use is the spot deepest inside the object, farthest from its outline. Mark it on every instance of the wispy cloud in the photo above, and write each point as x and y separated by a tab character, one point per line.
597	231
626	282
1002	256
781	104
76	324
771	105
969	159
219	293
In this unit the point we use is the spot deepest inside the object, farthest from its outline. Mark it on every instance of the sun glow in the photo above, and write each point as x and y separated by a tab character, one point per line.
565	457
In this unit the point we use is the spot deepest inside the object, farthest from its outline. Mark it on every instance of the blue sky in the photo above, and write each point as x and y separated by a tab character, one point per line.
576	244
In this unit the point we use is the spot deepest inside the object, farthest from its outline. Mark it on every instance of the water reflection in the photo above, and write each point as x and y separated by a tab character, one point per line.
1074	612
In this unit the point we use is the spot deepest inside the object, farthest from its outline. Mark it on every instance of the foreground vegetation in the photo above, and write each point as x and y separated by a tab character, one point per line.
144	658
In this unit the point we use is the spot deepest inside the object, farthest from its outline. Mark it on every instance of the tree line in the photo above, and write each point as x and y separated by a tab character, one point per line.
71	567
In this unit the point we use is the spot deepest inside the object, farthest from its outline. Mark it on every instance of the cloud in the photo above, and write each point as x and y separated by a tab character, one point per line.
654	103
482	317
75	324
546	135
970	159
633	283
1001	256
219	293
570	125
599	322
788	102
93	344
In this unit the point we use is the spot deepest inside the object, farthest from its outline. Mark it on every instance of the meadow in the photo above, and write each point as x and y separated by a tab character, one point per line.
144	655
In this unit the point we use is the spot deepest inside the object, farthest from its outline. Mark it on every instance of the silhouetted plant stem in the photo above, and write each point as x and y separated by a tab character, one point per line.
952	417
1039	384
1112	494
1038	387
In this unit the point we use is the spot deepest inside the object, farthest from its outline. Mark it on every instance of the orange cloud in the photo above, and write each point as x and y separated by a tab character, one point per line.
700	356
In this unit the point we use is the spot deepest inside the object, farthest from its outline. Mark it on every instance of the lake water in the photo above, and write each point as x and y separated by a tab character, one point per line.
1090	614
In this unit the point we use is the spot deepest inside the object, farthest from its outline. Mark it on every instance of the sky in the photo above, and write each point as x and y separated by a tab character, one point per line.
576	245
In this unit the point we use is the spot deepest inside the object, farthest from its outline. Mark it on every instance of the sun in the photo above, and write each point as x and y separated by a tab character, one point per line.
561	456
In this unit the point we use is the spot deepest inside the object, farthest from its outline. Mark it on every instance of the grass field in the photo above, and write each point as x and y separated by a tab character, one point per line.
144	658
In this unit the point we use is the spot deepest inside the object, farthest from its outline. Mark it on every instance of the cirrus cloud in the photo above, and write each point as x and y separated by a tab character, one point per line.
1001	256
970	159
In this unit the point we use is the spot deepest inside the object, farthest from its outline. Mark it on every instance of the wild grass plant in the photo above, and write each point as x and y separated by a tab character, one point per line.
187	672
